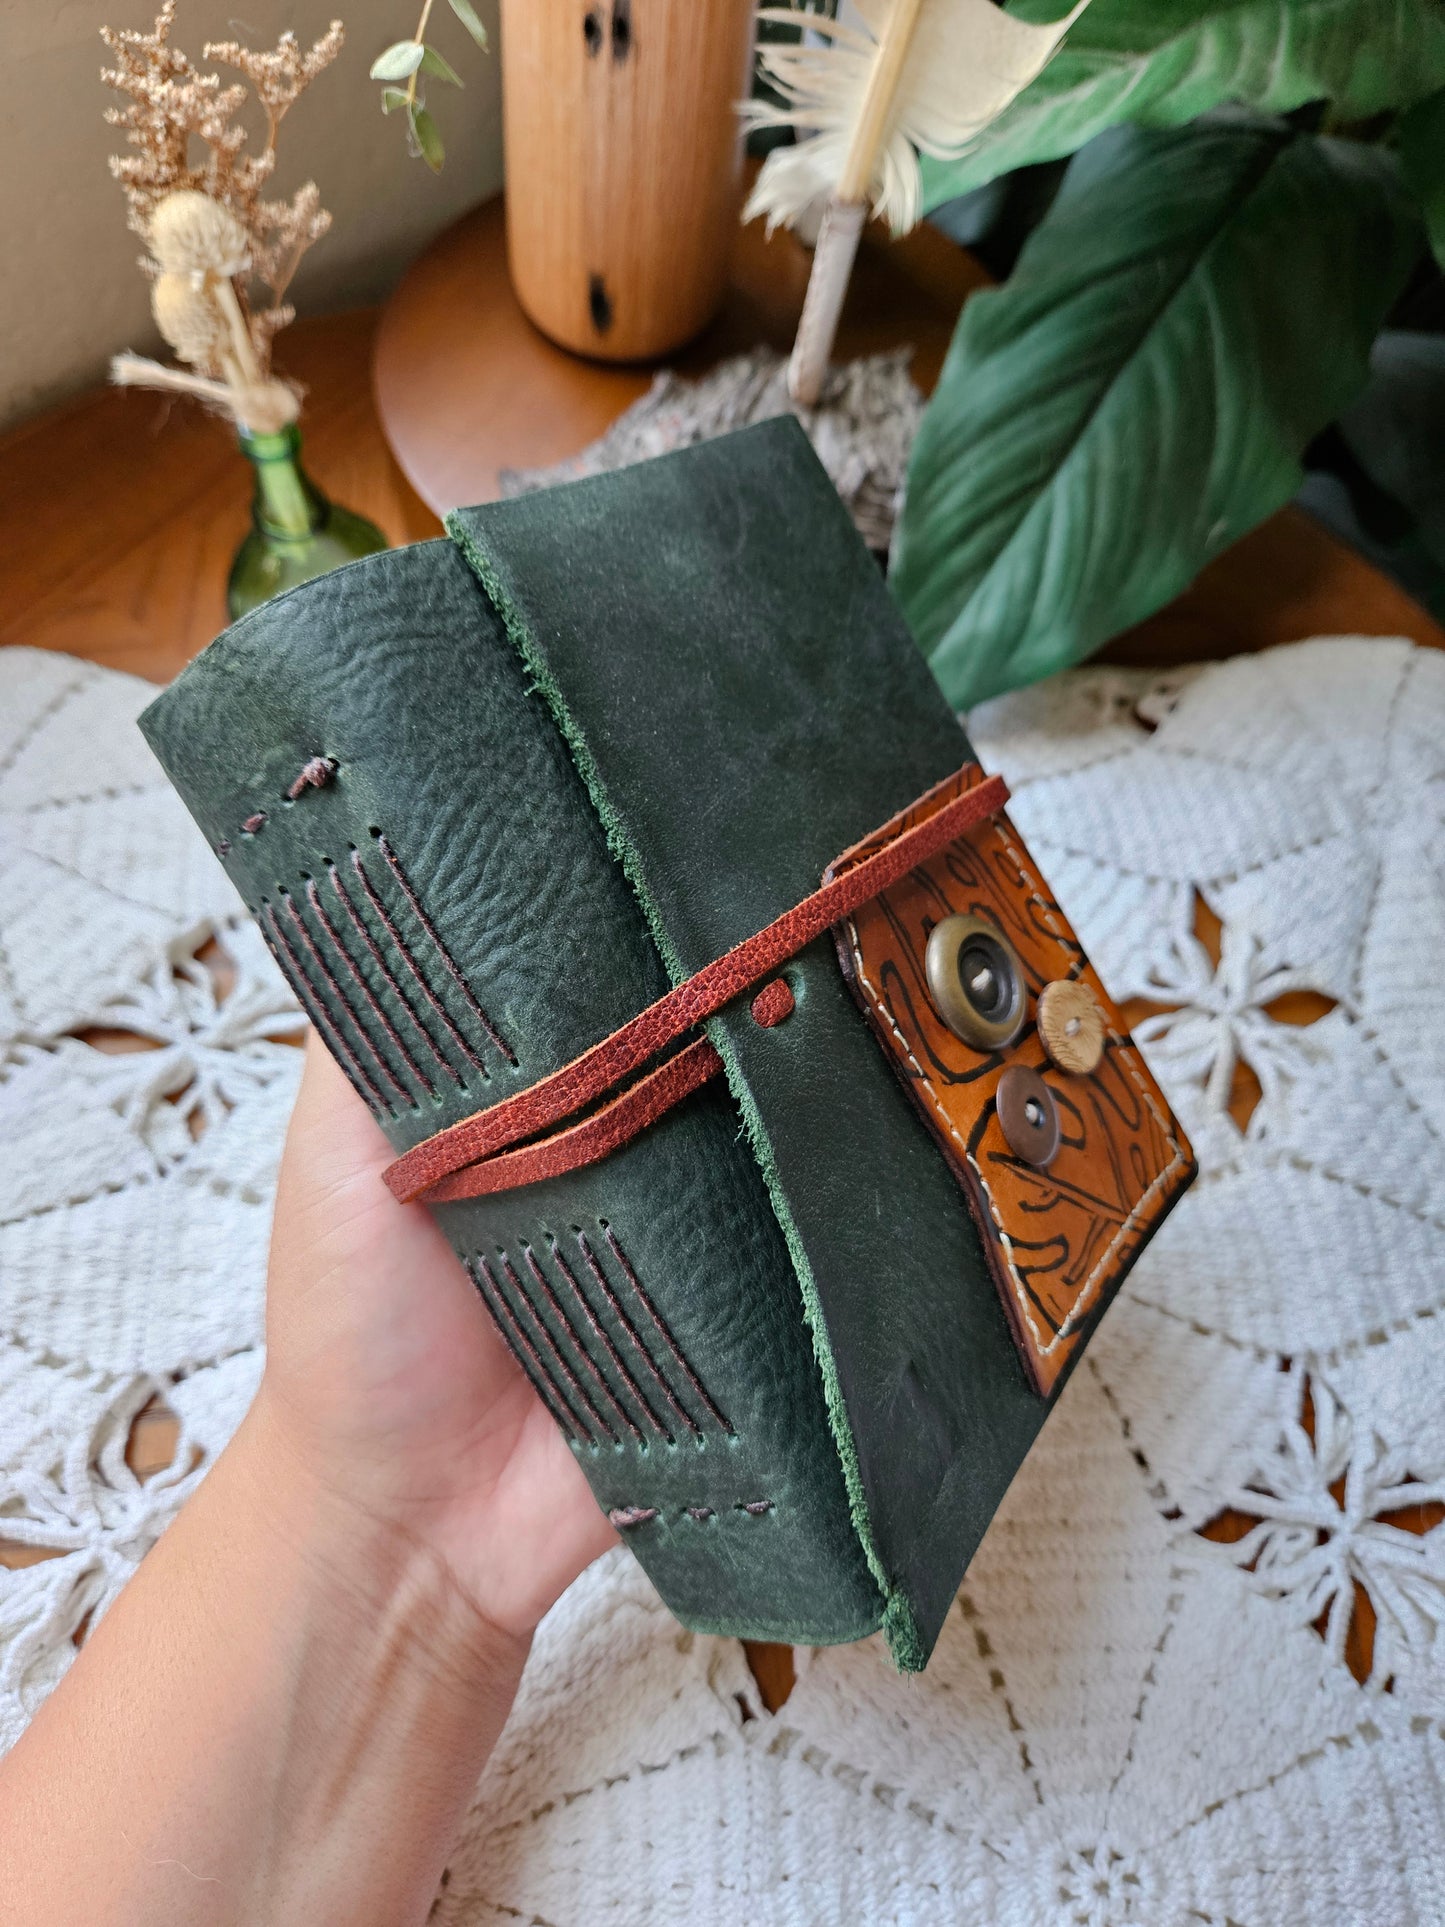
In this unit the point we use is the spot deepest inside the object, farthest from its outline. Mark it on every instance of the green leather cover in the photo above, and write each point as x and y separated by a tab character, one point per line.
605	734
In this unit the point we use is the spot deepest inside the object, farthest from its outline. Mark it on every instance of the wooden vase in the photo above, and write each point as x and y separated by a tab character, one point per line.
624	165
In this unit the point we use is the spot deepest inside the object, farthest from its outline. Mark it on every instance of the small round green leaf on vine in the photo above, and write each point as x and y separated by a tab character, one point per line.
399	61
409	60
428	141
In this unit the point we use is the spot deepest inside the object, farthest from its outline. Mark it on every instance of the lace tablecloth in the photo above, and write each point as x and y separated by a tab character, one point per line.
1195	1672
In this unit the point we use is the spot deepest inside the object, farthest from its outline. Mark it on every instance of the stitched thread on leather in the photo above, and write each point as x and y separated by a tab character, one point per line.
373	950
333	983
599	1069
638	1344
319	963
551	1345
314	775
374	1004
523	1350
279	944
614	1305
404	951
584	1357
623	1516
664	1330
636	1407
404	884
1088	1289
554	1359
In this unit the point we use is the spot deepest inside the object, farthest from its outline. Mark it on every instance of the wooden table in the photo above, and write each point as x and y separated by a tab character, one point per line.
119	512
465	385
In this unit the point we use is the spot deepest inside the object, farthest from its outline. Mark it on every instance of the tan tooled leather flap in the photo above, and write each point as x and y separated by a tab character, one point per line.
1060	1235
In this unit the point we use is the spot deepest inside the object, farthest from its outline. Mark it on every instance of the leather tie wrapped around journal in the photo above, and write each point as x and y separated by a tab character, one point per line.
626	855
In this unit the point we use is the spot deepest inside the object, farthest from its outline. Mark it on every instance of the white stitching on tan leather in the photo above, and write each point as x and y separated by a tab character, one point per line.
1088	1290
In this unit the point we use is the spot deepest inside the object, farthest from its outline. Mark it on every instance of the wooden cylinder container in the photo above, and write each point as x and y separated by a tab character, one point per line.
624	165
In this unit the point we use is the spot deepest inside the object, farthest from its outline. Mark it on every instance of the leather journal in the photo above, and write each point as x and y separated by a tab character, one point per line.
626	855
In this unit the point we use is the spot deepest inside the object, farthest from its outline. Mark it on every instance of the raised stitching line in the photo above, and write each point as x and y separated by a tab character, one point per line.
600	1275
404	949
632	1332
602	1332
330	978
393	864
373	1002
554	1349
550	1393
373	950
290	968
644	1296
582	1352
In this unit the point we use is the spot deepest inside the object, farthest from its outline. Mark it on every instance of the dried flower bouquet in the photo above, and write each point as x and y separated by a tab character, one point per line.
221	255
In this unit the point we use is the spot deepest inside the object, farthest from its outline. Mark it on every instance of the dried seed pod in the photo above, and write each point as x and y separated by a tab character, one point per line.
190	319
192	234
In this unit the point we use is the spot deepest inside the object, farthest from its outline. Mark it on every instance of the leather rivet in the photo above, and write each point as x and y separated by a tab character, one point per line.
976	982
1028	1115
1071	1025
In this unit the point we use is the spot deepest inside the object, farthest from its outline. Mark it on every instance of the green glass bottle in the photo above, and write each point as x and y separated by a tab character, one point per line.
295	532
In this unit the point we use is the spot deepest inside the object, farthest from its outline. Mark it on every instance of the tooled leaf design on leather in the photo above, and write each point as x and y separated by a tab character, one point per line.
378	995
590	1337
1058	1240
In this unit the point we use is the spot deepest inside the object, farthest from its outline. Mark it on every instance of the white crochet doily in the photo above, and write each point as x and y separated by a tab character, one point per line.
1127	1723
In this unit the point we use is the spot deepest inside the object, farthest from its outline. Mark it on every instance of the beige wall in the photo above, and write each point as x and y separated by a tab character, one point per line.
70	292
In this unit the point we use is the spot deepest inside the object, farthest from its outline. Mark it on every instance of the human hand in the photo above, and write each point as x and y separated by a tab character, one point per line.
314	1662
390	1386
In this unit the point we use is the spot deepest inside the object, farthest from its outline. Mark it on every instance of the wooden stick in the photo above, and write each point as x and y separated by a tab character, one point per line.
242	346
833	257
878	98
847	210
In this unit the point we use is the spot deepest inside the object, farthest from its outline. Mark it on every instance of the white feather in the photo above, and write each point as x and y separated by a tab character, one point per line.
967	60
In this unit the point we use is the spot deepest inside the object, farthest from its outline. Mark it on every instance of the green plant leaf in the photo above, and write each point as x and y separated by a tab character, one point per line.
432	63
1421	136
1193	309
428	140
392	98
467	14
399	62
1396	429
1161	63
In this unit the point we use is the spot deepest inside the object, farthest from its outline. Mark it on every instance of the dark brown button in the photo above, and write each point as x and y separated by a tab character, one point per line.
1028	1114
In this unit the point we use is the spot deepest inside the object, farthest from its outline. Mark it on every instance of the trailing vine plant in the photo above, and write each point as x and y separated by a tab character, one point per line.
406	61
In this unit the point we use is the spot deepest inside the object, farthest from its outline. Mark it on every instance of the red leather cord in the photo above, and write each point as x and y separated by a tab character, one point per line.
422	1171
599	1134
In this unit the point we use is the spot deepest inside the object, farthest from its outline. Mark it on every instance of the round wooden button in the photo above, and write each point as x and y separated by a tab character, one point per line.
1071	1025
1028	1114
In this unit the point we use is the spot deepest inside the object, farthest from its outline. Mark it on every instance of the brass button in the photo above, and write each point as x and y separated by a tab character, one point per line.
976	982
1028	1114
1071	1025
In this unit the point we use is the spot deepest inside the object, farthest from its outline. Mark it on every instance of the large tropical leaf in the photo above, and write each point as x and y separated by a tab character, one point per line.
1159	63
1422	156
1193	309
